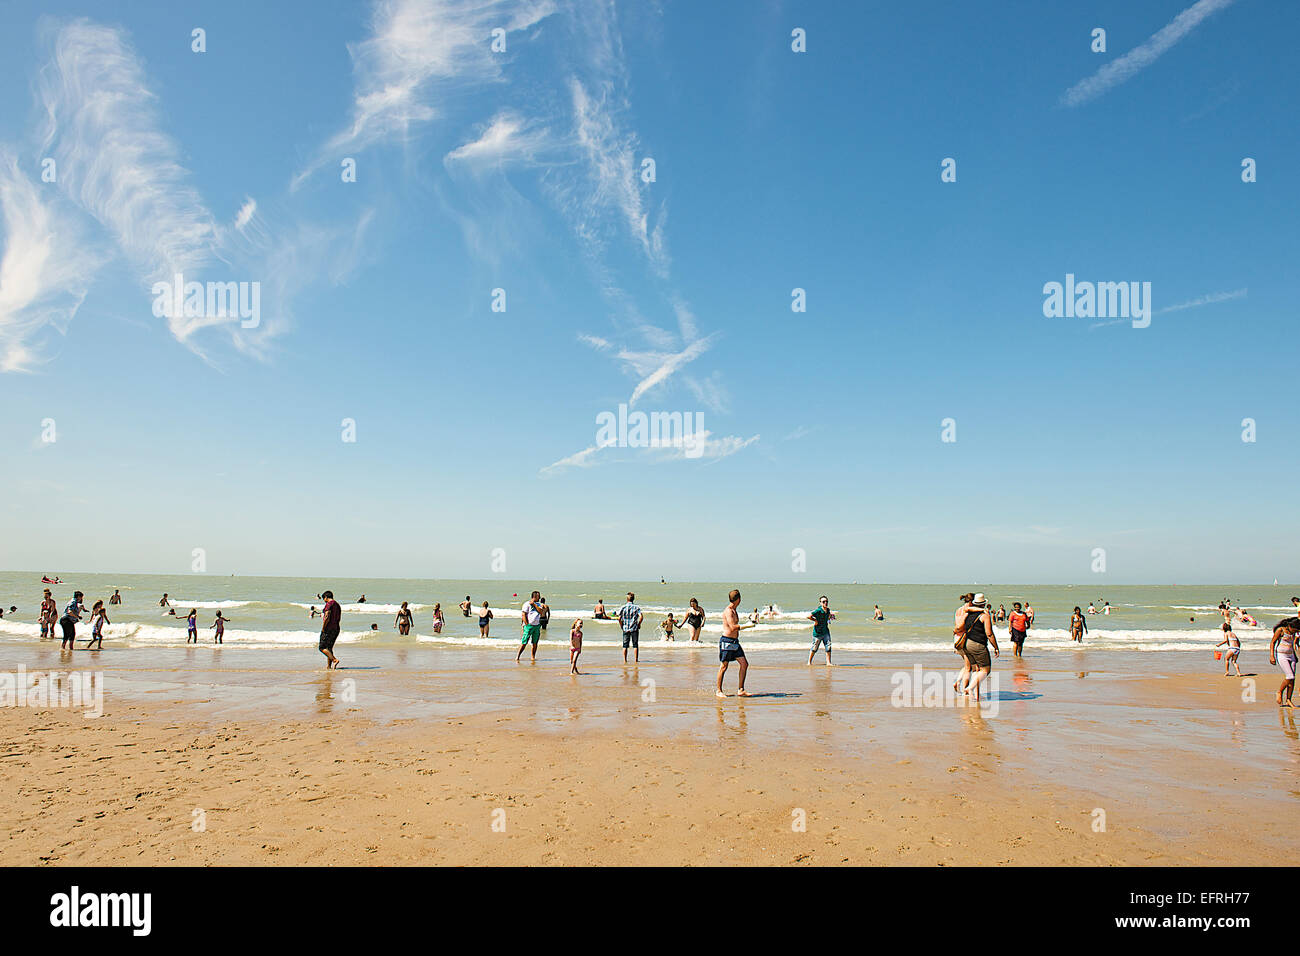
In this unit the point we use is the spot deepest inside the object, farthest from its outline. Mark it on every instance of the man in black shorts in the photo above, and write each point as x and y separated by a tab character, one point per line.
331	615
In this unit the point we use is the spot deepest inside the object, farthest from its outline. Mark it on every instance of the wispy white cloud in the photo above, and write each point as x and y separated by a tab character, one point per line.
1208	299
667	366
614	183
417	52
579	459
589	158
46	265
245	214
116	162
709	391
118	165
1139	58
509	139
701	446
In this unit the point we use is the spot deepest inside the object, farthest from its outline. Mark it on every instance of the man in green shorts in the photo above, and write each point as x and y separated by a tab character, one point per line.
531	618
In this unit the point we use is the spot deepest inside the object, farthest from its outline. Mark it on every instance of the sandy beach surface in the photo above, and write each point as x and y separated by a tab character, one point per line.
428	756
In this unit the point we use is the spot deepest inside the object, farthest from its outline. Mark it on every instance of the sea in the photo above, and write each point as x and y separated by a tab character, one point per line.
275	612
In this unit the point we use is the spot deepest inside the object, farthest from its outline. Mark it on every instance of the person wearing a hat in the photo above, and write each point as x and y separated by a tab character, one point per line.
978	626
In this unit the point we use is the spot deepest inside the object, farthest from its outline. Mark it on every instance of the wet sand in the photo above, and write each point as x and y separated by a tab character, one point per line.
437	756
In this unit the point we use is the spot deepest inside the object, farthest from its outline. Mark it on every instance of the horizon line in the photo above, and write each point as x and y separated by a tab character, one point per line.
651	582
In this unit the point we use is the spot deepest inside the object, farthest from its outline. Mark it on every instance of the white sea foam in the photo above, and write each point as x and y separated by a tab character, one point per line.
788	636
179	605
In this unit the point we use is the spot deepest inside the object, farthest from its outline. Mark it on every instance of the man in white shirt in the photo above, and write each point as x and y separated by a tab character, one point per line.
531	619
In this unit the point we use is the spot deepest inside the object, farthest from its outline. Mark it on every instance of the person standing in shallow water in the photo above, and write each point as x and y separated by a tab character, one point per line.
530	620
979	638
1019	624
1282	653
330	619
49	612
98	618
1232	650
821	616
630	617
694	619
1079	625
68	623
403	619
729	648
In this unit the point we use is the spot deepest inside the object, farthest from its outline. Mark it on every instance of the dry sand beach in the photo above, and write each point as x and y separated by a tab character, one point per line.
410	757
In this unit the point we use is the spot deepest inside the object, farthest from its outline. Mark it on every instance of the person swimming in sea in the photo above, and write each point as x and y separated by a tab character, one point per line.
465	606
879	615
116	598
599	612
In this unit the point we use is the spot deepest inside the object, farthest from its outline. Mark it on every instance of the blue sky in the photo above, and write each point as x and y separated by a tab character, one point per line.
774	169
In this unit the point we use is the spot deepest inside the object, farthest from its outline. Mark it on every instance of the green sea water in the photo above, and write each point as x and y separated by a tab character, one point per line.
276	611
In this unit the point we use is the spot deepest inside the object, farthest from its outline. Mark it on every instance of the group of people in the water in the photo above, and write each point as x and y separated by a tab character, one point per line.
974	635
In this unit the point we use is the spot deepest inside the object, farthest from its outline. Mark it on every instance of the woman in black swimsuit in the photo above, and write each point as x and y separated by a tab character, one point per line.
404	620
694	619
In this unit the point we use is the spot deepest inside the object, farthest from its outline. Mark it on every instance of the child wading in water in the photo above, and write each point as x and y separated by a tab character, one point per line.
575	646
1232	654
220	625
667	627
98	618
192	626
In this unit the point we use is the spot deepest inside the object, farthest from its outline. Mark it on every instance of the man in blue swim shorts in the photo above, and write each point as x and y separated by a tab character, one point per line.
729	648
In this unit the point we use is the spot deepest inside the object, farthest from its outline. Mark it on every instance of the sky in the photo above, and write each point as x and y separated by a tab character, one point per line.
475	226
